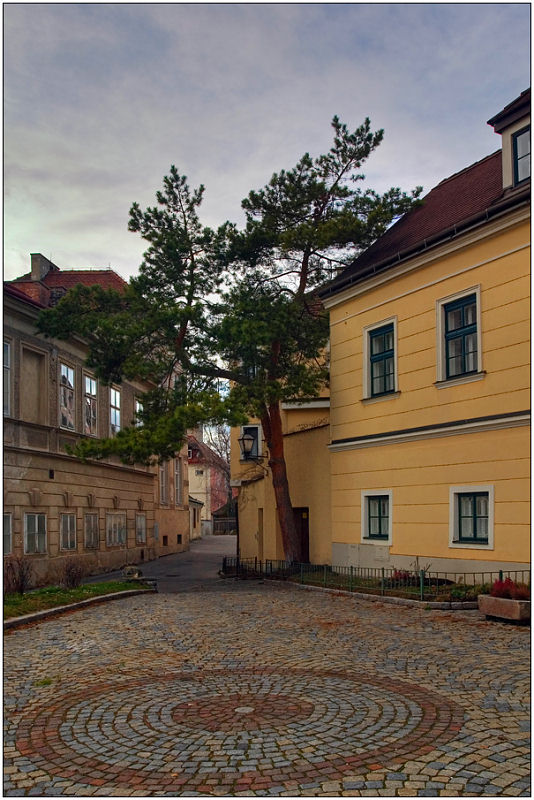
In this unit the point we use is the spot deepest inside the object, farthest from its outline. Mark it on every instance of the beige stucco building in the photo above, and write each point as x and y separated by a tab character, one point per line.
104	513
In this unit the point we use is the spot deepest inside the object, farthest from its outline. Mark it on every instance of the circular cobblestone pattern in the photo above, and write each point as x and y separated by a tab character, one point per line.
214	717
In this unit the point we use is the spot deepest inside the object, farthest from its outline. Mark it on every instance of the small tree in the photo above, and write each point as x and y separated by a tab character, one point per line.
231	304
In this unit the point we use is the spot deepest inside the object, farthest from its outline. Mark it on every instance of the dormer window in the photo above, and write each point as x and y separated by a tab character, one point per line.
521	144
513	125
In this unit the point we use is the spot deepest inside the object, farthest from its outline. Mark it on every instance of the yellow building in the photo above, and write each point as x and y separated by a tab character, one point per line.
306	438
430	376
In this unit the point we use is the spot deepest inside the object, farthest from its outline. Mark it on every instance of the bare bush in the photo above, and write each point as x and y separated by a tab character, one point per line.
71	572
18	571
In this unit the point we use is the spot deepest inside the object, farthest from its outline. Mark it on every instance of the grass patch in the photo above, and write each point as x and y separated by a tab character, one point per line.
16	605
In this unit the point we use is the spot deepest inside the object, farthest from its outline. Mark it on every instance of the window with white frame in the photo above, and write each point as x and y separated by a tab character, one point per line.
67	531
115	410
471	510
89	406
34	533
7	378
163	483
140	528
90	531
115	529
138	412
8	533
376	516
380	359
521	149
66	397
458	331
254	431
178	489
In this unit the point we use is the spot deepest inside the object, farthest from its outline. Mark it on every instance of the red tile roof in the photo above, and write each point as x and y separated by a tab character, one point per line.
450	206
14	291
206	454
39	291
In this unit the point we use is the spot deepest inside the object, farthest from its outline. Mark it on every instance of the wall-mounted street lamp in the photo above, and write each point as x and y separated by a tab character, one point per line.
246	444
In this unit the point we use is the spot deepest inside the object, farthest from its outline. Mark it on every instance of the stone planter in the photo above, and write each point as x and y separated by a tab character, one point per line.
504	608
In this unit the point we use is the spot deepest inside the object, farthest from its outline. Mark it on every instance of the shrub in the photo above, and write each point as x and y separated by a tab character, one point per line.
510	589
72	571
17	574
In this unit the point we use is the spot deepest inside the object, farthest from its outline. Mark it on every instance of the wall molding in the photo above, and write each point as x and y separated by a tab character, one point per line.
476	425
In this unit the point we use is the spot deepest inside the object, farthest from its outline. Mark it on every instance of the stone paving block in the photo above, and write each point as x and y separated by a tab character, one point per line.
266	697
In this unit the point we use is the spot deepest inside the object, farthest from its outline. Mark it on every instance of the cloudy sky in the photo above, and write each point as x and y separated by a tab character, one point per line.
100	100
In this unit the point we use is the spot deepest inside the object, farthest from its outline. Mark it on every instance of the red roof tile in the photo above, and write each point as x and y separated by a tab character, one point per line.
15	291
39	291
451	204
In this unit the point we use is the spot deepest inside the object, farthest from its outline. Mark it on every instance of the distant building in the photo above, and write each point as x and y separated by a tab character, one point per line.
208	478
195	508
105	513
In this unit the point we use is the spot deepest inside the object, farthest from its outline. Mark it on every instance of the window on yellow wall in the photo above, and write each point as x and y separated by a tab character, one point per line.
376	516
380	359
471	510
459	356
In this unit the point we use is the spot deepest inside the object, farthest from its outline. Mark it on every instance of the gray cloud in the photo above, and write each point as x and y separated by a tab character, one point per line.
101	99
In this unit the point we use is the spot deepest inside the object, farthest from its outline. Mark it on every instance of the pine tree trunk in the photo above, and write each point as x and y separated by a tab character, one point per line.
271	422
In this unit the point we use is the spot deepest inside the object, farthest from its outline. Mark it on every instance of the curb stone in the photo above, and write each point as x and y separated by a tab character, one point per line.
36	616
378	598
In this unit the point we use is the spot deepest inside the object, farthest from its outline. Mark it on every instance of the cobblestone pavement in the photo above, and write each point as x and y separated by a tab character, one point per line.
266	689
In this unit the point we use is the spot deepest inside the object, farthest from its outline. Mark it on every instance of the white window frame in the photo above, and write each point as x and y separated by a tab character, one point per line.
140	528
35	533
62	387
89	535
8	532
116	529
164	483
114	410
67	531
441	363
7	378
365	538
178	482
454	534
367	388
93	399
258	428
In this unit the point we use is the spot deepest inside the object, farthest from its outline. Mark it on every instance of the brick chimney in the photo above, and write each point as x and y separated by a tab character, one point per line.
41	266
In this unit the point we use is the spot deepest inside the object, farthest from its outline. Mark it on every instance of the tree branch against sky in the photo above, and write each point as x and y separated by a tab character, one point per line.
241	298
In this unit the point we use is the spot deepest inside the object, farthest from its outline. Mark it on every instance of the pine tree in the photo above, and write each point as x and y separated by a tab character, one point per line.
231	305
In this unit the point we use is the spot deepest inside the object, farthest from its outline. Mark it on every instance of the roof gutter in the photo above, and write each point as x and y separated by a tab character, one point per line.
480	217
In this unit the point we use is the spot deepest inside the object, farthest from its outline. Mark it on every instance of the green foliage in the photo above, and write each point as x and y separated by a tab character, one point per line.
228	305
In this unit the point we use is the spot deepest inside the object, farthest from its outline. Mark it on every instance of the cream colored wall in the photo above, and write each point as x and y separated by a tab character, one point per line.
200	488
172	518
500	265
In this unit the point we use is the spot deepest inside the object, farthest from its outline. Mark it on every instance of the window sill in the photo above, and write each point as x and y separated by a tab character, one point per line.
471	545
472	376
388	396
376	540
